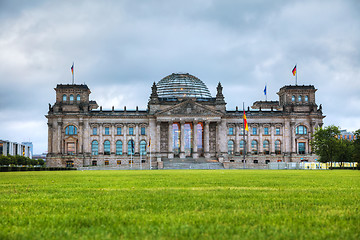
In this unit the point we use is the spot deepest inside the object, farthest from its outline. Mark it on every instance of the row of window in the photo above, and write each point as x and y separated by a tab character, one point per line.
254	147
71	98
266	147
299	130
257	161
106	162
119	147
72	130
300	98
118	131
255	131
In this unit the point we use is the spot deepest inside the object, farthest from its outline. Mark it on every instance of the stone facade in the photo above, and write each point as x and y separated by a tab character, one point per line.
81	134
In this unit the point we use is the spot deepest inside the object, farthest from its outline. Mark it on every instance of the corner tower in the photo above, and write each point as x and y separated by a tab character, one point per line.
294	98
73	98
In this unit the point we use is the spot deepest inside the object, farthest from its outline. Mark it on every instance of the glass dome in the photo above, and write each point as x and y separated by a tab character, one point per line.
180	85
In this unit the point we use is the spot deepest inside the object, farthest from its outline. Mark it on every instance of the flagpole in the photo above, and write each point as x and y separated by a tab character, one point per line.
244	136
73	73
296	74
150	151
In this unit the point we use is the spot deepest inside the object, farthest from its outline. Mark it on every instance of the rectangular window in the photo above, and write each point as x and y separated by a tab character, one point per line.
106	162
231	131
142	131
254	131
131	131
301	148
94	131
266	131
107	131
277	131
118	131
118	162
71	148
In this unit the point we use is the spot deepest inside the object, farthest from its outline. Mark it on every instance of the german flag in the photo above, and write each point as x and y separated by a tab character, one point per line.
294	71
245	122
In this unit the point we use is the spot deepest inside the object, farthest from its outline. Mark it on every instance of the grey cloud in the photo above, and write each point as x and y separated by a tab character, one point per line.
121	47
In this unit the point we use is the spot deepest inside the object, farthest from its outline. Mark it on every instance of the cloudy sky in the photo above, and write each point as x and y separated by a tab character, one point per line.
121	47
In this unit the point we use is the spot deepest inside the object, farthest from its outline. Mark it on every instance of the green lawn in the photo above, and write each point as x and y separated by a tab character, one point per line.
176	204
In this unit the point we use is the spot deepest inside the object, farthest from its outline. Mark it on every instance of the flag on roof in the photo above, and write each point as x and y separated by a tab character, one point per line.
294	71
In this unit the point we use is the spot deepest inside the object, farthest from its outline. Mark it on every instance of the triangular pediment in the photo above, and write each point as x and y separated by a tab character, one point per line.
189	108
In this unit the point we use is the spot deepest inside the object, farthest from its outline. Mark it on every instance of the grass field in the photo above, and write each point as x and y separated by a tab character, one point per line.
176	204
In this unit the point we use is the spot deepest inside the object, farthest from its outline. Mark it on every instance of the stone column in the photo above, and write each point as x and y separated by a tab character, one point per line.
287	137
50	140
261	149
59	137
195	148
293	140
101	143
112	143
182	140
206	140
158	137
221	137
124	129
237	139
86	137
80	148
136	141
272	138
170	143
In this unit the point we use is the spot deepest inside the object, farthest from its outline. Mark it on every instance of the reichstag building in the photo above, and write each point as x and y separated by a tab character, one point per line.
182	121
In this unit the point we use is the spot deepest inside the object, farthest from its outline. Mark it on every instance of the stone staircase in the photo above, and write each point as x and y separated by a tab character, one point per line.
191	163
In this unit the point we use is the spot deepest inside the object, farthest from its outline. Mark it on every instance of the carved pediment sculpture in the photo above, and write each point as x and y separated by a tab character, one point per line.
190	108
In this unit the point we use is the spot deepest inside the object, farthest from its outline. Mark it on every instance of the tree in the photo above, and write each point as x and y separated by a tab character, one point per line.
4	160
344	152
356	145
326	144
41	162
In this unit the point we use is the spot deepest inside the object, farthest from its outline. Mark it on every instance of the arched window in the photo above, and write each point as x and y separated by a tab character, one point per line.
231	147
107	147
64	98
254	147
299	98
266	147
277	147
301	130
242	147
70	130
71	98
293	98
119	147
78	98
306	98
95	148
142	148
131	147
